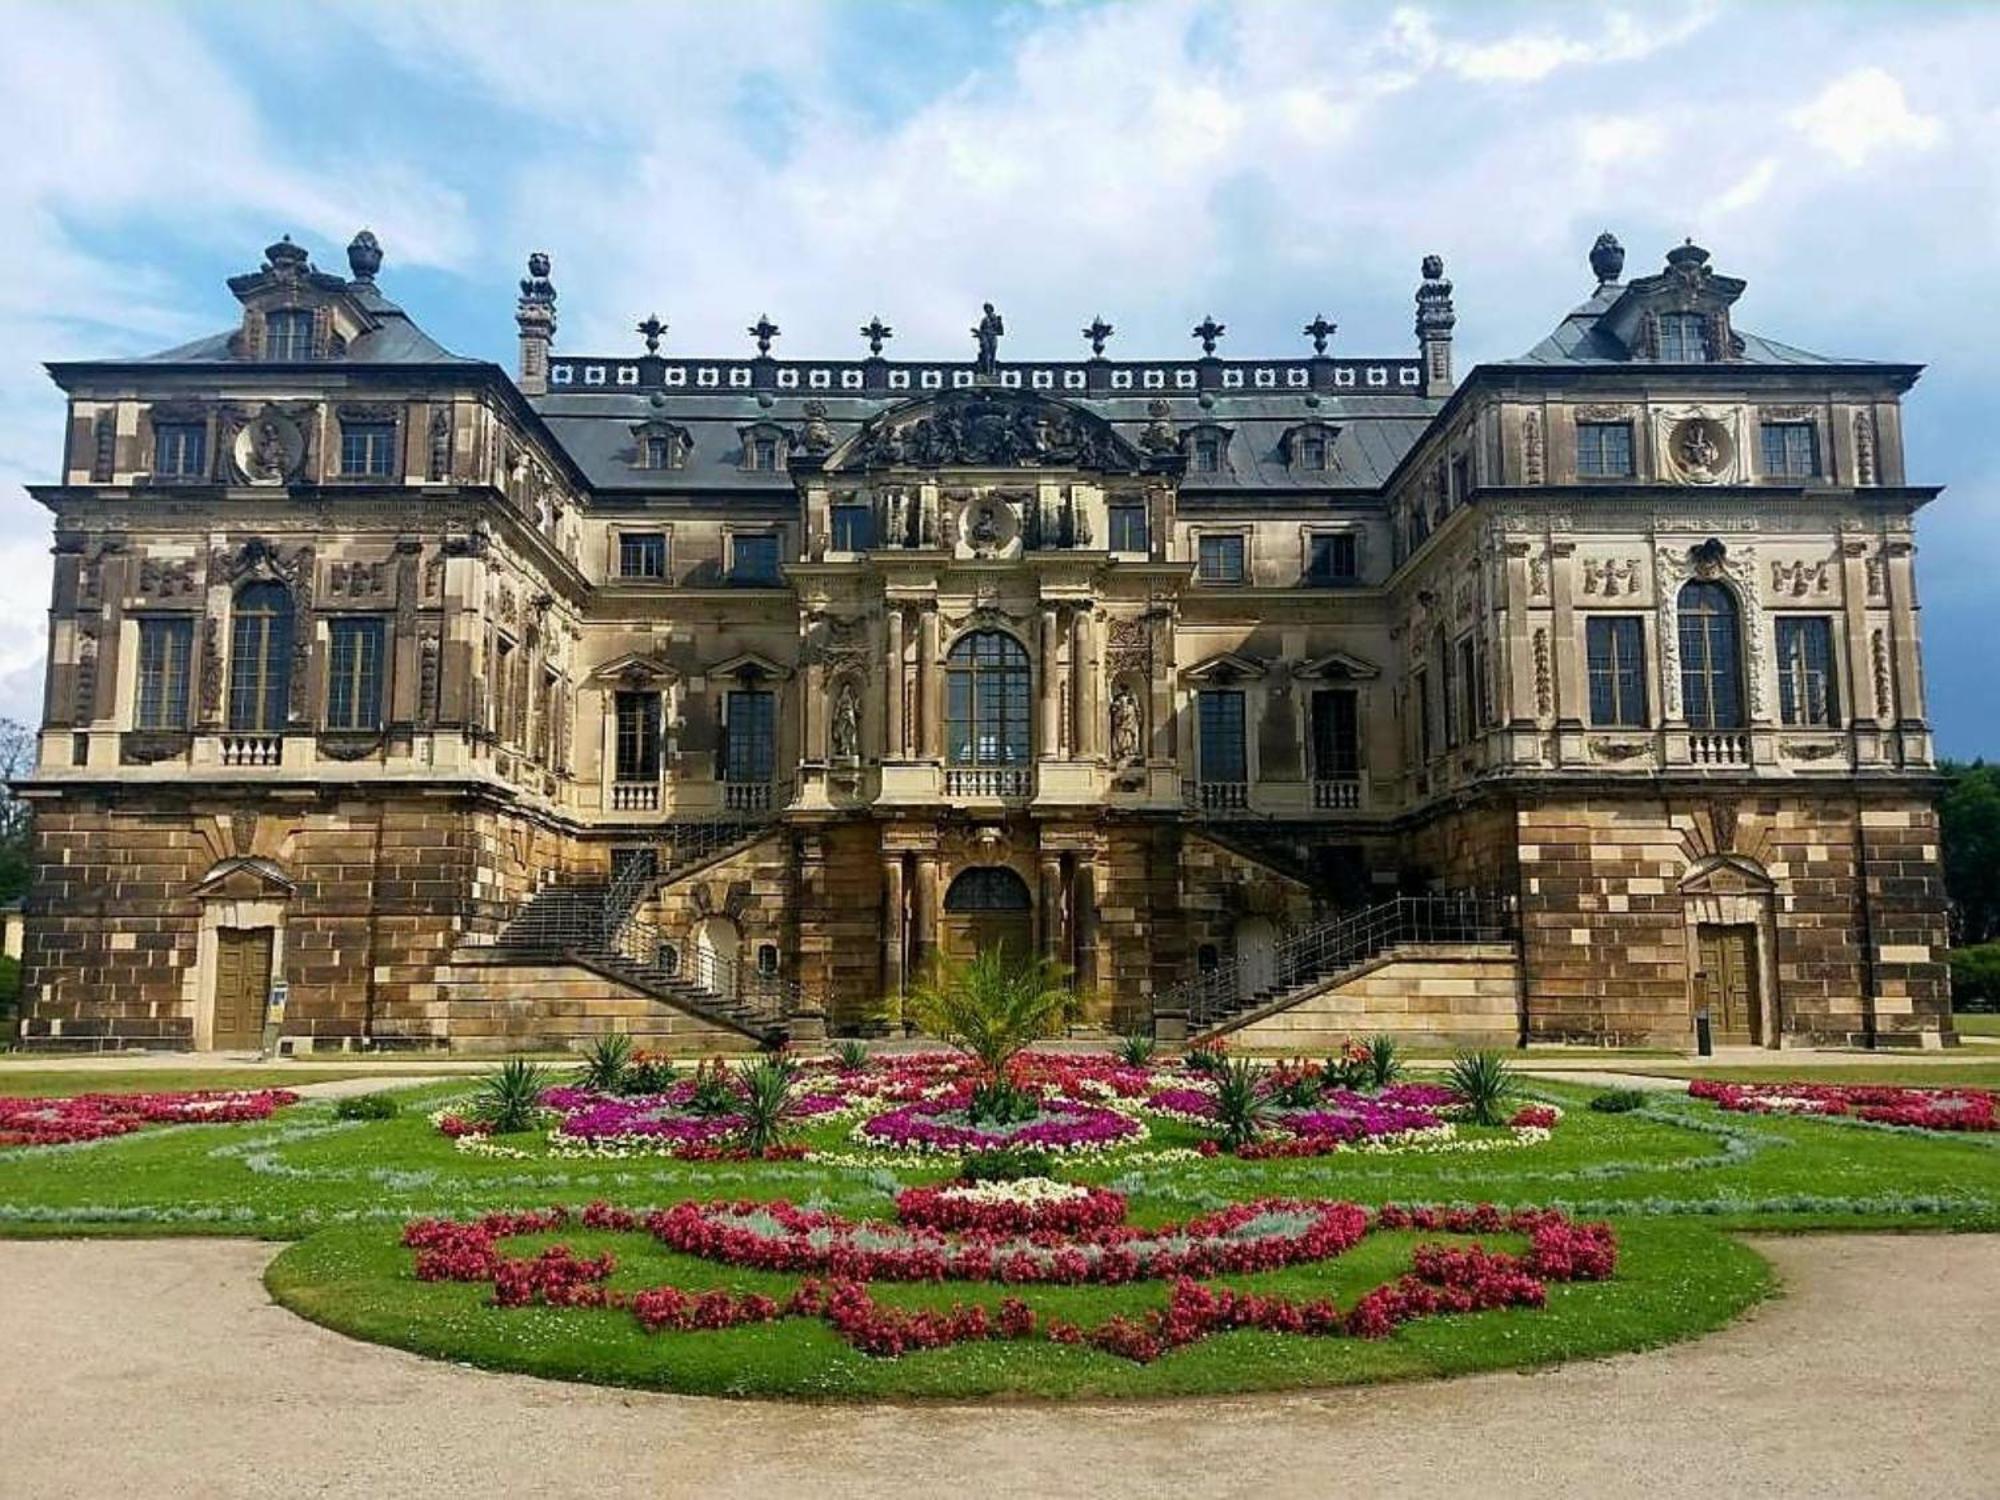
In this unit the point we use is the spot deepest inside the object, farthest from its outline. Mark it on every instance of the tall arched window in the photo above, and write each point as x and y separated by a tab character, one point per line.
260	659
1711	657
988	689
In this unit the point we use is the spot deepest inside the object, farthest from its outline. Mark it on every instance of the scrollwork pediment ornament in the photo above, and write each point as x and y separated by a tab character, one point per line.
991	429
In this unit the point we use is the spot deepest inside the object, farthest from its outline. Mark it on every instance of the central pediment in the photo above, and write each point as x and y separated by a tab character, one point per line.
988	429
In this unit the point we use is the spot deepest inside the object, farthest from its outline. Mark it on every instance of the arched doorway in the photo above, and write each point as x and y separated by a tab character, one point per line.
717	949
988	907
1256	956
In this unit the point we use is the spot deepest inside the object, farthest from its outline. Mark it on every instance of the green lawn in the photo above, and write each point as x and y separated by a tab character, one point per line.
49	1083
1979	1075
1675	1178
1977	1023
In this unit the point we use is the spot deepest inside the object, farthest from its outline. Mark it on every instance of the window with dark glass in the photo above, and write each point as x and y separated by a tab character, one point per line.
751	731
753	558
659	453
260	659
764	453
988	696
1461	478
1420	690
1224	749
354	672
1467	674
636	743
1220	559
1604	450
180	450
1791	450
1805	671
1312	451
1332	558
1448	692
1128	529
1615	661
288	335
642	554
1207	453
503	690
853	528
1711	669
1336	734
368	449
165	648
1683	339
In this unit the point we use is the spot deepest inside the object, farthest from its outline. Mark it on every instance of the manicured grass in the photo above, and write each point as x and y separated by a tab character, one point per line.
1977	1023
45	1083
1979	1075
1674	1280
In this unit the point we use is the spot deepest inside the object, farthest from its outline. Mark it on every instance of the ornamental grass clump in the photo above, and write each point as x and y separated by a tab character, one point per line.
1483	1084
1618	1101
605	1062
1242	1109
1135	1050
1385	1061
851	1054
763	1103
365	1107
510	1100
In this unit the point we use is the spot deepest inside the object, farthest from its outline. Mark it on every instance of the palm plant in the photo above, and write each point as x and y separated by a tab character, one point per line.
993	1006
1483	1083
1241	1106
1385	1061
1135	1049
763	1102
851	1054
605	1062
510	1100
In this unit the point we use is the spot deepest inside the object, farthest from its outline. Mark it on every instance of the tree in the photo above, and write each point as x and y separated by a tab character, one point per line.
17	759
994	1006
1969	828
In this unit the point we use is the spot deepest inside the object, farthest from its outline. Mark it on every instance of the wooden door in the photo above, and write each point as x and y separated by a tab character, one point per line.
242	983
1727	983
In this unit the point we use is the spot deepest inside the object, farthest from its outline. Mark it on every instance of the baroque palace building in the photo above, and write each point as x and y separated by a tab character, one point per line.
396	701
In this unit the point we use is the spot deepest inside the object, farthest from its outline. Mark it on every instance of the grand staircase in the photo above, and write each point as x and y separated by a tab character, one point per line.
595	925
1326	953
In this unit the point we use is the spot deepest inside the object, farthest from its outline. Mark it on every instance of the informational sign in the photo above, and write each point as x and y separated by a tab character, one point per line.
274	1014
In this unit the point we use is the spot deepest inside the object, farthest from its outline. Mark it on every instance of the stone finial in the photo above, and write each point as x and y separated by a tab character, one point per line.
1687	254
1607	258
651	328
877	333
535	316
284	258
1097	333
763	331
1436	318
536	286
1319	330
1208	331
364	255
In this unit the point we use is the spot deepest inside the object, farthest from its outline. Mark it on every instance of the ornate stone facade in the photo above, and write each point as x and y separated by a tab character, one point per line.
806	671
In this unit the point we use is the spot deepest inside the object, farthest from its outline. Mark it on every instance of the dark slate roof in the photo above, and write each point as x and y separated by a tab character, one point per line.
1373	431
396	340
1578	340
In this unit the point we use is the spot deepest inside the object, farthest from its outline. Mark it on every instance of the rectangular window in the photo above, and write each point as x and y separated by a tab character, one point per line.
179	450
1333	557
764	453
637	750
1615	659
1791	450
1207	453
642	554
1604	450
1420	690
1128	529
1312	452
1461	479
1467	673
1224	752
1220	559
853	528
288	335
751	730
354	673
368	449
165	649
1336	735
1805	671
753	559
1449	691
1683	339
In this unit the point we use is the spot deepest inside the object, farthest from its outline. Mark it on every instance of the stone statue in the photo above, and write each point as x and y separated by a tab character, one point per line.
846	724
987	331
1124	727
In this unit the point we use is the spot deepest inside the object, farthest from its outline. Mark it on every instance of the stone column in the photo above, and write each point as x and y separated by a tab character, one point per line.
893	746
1566	634
1086	712
892	932
924	912
1053	925
1909	683
1049	734
930	683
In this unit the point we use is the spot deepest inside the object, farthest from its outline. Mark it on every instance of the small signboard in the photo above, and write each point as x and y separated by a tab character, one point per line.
274	1014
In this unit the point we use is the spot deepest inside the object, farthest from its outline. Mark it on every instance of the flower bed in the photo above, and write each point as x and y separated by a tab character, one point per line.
1029	1205
1060	1125
1442	1280
1958	1109
91	1117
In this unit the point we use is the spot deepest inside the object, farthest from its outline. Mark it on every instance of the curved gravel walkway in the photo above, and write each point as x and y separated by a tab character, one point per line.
160	1368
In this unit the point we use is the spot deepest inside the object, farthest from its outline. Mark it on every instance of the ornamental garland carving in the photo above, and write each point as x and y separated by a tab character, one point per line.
356	580
1878	655
1613	577
986	429
1534	468
1710	560
162	580
1545	697
1864	448
1800	578
211	670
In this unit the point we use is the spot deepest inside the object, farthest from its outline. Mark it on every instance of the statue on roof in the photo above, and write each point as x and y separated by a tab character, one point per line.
987	332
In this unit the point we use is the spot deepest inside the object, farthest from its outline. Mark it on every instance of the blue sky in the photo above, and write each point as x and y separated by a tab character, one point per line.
1152	162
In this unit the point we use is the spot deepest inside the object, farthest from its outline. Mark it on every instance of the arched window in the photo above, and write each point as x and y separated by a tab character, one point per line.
987	695
260	659
988	888
1711	667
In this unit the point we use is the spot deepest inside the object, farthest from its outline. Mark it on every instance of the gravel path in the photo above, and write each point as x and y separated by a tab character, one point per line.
160	1368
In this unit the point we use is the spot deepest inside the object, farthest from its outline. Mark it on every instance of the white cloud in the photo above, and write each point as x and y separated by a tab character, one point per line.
1749	188
1862	113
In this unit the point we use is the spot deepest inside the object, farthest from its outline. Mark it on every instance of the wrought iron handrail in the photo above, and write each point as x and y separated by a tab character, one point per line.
1325	949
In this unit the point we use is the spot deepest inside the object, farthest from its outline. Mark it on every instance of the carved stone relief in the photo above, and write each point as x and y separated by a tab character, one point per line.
1613	577
1801	578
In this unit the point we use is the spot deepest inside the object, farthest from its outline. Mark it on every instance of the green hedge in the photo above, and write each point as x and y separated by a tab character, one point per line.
1975	977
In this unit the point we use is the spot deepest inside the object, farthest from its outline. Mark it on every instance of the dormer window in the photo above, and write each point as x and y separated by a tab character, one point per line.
660	446
765	446
1312	452
1683	339
658	453
1207	453
288	335
1308	448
